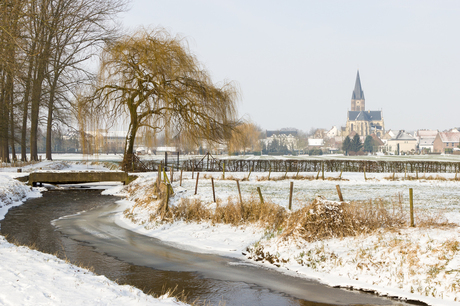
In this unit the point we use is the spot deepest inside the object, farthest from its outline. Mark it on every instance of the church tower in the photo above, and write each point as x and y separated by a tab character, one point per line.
363	122
357	99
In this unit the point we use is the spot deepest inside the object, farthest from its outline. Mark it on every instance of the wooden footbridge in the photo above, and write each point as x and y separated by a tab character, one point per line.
73	177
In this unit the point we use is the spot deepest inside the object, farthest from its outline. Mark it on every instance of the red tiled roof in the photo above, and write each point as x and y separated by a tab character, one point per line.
449	136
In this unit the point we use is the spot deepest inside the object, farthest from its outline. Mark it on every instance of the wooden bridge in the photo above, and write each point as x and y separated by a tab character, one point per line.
72	177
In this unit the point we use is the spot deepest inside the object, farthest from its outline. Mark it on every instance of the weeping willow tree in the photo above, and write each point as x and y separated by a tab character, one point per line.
155	81
245	137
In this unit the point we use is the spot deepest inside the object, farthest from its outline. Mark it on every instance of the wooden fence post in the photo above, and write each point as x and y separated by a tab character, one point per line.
165	177
364	170
340	176
249	173
269	171
290	195
339	192
411	199
260	195
159	175
322	171
168	187
239	191
213	190
180	182
171	174
196	185
241	198
223	171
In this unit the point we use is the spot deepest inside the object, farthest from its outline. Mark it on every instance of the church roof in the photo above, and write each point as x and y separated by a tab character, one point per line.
365	115
358	93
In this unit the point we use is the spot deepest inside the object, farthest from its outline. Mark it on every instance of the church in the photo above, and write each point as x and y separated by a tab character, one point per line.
361	121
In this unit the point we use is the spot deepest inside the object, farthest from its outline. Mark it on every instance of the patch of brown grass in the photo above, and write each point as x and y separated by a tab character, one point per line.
322	219
252	211
412	177
297	177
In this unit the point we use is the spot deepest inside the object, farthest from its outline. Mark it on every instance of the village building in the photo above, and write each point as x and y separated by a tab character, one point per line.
333	132
286	138
315	142
388	135
378	143
402	143
446	142
425	140
361	121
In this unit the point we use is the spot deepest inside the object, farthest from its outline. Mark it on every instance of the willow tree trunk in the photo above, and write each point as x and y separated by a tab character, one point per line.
128	157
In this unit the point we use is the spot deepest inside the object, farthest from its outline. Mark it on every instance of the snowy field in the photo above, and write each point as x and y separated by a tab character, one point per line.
412	263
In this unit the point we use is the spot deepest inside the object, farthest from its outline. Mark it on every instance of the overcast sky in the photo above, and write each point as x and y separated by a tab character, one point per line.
296	61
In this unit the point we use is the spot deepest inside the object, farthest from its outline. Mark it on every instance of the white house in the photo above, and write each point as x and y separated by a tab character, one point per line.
285	138
333	132
425	139
313	142
402	143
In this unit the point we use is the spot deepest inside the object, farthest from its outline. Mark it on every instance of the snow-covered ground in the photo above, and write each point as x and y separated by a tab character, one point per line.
412	263
29	277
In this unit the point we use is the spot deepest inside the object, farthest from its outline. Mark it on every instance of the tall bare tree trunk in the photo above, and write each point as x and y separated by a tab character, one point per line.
49	123
26	101
4	119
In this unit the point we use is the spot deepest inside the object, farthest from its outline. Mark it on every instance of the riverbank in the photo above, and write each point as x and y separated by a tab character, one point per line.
418	263
411	263
31	278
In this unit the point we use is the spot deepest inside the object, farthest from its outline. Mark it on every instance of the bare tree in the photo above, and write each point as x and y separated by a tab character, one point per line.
83	28
245	137
10	12
155	80
43	44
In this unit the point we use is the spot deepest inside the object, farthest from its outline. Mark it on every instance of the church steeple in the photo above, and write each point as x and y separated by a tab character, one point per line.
357	98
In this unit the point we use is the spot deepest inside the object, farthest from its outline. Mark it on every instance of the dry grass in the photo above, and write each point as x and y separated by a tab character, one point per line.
320	219
298	177
181	297
267	215
324	219
108	165
412	177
